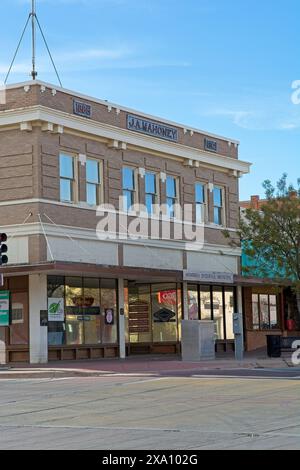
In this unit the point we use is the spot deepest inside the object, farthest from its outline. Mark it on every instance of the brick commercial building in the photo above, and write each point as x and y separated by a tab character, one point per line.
75	296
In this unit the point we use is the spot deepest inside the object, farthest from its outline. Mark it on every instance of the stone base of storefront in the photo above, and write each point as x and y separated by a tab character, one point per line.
71	353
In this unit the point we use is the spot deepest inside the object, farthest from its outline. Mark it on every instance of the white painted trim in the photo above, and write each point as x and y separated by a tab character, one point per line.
83	125
121	108
90	234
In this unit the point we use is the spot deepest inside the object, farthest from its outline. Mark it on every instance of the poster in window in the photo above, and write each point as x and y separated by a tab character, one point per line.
56	310
109	316
4	308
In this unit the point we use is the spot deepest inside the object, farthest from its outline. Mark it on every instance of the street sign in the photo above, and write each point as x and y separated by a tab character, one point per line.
4	308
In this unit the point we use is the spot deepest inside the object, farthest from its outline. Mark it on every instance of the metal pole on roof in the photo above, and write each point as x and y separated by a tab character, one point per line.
33	18
34	24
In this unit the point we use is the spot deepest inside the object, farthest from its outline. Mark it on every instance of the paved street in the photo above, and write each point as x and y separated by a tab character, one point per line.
123	411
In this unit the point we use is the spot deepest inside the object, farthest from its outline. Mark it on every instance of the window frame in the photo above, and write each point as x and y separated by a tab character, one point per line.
176	198
72	181
99	186
156	195
260	314
209	290
204	204
221	208
134	191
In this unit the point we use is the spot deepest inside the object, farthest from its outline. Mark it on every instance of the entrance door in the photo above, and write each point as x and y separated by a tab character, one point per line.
19	329
153	319
139	310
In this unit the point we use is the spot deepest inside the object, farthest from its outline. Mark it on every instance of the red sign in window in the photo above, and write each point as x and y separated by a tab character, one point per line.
167	297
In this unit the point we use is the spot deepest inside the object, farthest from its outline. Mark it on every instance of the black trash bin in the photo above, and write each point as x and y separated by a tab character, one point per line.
274	345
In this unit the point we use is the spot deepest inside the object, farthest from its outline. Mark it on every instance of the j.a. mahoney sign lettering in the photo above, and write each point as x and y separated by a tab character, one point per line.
152	128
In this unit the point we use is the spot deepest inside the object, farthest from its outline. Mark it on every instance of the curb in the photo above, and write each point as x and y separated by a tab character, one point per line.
15	374
54	374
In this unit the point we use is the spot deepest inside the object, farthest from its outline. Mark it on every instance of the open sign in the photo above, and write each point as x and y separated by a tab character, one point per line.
167	297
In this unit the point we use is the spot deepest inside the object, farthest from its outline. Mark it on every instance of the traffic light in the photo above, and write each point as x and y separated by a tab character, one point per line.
3	249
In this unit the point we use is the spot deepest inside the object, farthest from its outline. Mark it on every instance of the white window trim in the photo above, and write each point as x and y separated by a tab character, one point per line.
205	204
74	186
157	194
223	212
136	189
100	185
177	214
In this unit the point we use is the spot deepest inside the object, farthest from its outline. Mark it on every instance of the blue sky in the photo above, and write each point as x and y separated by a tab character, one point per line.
226	66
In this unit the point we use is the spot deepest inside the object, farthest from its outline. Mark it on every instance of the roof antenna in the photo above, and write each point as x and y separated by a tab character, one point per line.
33	18
34	21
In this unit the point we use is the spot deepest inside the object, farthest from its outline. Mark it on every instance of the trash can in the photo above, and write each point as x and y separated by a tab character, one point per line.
274	345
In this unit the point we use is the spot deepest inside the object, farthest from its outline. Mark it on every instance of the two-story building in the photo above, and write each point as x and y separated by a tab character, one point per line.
77	295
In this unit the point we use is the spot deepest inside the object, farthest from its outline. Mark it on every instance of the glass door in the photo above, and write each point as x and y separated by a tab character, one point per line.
139	314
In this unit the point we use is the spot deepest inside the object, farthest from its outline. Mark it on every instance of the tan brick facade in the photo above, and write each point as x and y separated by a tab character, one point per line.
29	162
49	237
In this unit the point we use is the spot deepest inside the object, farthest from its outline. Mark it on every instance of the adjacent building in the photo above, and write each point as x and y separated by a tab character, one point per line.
75	295
270	306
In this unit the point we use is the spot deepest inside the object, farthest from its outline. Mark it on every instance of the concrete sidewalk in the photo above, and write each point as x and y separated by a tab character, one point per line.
142	365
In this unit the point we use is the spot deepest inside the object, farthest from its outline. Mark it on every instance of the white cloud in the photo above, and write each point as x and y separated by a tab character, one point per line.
269	114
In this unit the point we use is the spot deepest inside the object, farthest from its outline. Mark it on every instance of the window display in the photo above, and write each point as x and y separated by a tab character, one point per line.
86	302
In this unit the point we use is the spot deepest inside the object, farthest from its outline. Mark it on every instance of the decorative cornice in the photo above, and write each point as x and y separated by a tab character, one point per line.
112	133
111	105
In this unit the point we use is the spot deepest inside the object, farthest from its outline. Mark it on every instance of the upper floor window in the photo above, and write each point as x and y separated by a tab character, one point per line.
151	195
93	181
129	187
201	202
172	195
264	312
67	177
218	205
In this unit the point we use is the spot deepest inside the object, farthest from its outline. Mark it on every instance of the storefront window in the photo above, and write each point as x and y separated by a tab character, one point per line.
56	329
179	310
215	303
109	316
74	315
205	303
193	302
255	312
164	312
264	312
273	312
90	307
229	311
218	310
126	311
91	311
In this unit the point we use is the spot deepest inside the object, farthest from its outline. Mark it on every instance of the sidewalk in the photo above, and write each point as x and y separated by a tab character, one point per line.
142	365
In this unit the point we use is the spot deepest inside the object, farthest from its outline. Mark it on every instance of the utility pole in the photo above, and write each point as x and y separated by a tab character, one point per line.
33	18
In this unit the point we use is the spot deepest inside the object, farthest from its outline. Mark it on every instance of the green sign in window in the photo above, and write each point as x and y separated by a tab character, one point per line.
4	308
